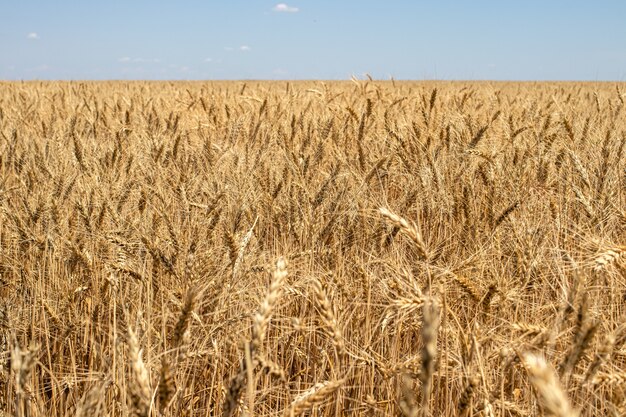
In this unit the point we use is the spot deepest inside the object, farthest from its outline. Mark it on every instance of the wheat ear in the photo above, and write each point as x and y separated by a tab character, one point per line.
545	381
407	228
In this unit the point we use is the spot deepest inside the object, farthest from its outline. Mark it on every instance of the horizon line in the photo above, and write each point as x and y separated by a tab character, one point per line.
460	80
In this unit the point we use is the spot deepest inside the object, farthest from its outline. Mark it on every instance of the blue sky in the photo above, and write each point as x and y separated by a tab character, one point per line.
313	39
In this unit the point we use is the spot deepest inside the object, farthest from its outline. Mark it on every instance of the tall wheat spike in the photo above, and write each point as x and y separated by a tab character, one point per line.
259	328
139	389
430	328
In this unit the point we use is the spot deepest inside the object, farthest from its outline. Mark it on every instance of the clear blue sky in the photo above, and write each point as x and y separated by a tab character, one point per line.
313	39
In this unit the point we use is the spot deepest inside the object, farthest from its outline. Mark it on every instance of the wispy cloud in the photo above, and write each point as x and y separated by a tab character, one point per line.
32	35
127	59
242	48
285	8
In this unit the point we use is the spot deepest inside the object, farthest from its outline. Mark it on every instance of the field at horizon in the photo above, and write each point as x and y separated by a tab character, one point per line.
201	248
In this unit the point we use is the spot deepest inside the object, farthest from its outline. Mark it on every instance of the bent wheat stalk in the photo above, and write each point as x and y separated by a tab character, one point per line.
410	229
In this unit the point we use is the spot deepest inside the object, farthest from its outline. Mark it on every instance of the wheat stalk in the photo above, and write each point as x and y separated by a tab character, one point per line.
312	397
545	381
430	328
328	317
409	229
139	388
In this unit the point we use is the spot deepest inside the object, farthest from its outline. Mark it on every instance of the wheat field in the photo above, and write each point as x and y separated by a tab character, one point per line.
307	248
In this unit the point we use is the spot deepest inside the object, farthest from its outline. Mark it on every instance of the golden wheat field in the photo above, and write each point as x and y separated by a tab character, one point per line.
307	248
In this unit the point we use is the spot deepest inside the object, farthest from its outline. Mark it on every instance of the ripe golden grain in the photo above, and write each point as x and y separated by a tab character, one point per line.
139	220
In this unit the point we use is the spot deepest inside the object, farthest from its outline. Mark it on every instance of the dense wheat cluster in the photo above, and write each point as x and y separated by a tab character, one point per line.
358	248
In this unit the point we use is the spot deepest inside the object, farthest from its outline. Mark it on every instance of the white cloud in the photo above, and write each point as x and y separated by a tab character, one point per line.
284	8
32	35
127	59
208	59
243	48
